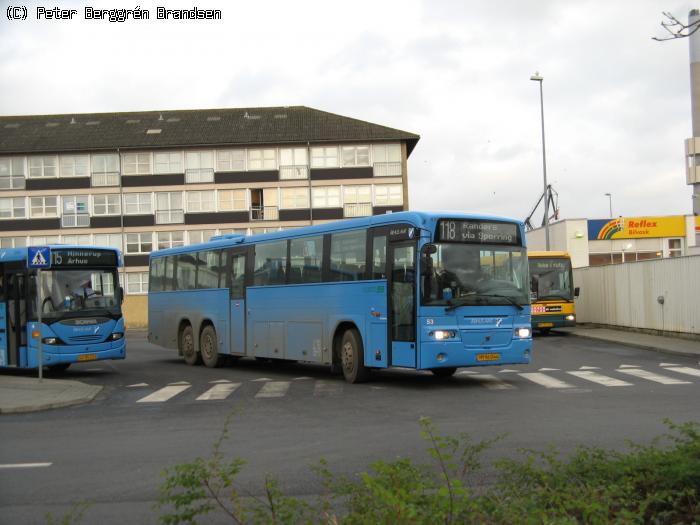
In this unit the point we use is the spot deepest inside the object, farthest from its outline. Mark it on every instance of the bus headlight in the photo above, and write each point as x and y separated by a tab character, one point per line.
522	333
570	317
116	336
50	340
443	334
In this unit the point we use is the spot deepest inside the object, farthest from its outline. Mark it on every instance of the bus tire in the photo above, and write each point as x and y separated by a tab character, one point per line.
352	357
58	368
209	348
444	372
191	356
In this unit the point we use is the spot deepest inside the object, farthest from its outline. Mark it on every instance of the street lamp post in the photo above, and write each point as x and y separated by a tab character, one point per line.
609	196
537	78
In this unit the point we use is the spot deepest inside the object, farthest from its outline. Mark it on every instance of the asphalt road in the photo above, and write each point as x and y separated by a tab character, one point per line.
155	412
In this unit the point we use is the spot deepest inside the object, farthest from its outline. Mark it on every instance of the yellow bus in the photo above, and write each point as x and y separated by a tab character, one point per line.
552	290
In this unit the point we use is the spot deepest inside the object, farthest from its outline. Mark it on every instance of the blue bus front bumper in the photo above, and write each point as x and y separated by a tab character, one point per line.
454	354
59	354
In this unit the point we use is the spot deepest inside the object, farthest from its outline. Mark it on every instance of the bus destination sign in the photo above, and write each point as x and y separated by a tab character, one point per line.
76	257
478	232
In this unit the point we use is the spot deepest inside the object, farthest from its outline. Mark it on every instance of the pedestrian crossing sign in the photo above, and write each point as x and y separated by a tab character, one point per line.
39	257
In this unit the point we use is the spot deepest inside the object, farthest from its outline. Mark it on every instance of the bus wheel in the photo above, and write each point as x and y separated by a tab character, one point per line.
58	368
352	357
545	331
192	357
444	372
209	348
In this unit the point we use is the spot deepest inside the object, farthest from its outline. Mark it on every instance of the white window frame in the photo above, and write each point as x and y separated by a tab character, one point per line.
137	163
352	156
43	166
262	159
162	243
293	163
321	197
76	218
12	170
113	240
43	240
142	240
230	160
166	162
196	201
199	166
44	213
11	242
102	200
325	157
384	193
74	165
294	198
386	160
222	200
199	236
142	201
137	283
352	205
174	213
104	169
11	211
82	239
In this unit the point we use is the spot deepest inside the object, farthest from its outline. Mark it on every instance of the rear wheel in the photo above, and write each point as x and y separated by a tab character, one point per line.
209	348
352	357
191	356
444	372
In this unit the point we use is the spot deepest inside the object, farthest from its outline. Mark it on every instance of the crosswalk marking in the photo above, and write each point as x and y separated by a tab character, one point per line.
599	378
327	388
651	376
685	370
273	389
164	393
668	364
545	380
627	366
492	382
219	391
589	368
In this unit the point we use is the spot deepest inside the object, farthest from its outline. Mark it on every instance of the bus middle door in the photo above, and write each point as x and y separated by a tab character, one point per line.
237	324
4	325
402	303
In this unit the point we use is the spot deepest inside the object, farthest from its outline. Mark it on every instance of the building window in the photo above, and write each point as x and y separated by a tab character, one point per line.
262	159
326	197
11	173
293	163
200	236
295	198
106	204
355	156
43	240
675	247
199	167
136	163
358	201
75	165
324	157
13	242
230	160
200	201
77	240
138	204
168	162
75	212
170	240
388	195
105	170
13	208
43	166
42	207
139	242
113	240
232	200
169	209
386	159
137	282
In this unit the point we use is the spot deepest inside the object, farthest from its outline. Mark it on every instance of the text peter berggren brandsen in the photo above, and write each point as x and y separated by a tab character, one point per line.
122	15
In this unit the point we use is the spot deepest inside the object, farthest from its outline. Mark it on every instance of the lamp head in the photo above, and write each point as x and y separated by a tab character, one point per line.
537	77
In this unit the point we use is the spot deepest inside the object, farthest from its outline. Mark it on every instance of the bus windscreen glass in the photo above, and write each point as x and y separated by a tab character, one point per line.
79	291
550	279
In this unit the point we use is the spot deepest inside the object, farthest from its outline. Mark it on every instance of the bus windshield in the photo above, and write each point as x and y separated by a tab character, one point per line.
458	274
550	278
80	291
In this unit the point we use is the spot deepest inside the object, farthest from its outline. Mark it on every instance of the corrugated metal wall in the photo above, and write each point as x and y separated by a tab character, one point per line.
627	294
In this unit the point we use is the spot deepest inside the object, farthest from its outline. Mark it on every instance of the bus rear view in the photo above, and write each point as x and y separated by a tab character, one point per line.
80	301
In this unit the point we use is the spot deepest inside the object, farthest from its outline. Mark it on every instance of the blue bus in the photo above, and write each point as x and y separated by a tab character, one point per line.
80	308
426	291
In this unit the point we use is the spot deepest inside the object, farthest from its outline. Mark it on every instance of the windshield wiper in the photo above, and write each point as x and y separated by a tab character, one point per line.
451	305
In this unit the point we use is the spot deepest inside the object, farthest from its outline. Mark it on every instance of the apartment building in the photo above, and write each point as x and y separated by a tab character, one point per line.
143	181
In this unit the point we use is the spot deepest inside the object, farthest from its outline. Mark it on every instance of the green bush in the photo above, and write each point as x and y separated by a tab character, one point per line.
649	484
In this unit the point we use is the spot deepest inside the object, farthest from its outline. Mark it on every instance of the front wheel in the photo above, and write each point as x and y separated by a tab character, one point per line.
58	368
352	357
191	356
209	348
444	372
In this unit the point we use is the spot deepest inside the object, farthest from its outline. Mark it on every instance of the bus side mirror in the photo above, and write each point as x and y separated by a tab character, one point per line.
429	249
121	295
577	291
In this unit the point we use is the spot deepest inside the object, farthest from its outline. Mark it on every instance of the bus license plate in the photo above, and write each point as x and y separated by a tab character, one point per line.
87	357
488	357
545	325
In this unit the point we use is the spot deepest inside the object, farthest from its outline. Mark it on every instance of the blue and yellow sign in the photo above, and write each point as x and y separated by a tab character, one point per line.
636	228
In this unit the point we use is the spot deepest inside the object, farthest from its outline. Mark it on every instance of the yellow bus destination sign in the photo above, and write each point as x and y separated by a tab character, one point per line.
636	228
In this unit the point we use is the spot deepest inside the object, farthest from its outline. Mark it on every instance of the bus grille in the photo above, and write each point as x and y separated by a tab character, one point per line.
86	339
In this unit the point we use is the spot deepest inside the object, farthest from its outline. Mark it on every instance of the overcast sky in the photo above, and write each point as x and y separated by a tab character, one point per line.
456	72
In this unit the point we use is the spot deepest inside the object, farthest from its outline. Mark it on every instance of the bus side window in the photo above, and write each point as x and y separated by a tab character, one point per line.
379	257
237	276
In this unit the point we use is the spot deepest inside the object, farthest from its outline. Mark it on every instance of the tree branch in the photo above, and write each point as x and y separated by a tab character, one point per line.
675	28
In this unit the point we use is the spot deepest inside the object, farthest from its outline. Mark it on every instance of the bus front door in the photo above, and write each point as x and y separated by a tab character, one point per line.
3	321
402	303
237	265
16	317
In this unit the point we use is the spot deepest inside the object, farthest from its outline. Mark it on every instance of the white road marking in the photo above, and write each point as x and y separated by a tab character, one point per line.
92	369
302	378
273	389
328	388
545	380
466	373
549	369
589	368
599	378
25	465
508	371
493	383
137	385
218	381
219	391
685	370
628	366
165	393
261	379
651	376
669	364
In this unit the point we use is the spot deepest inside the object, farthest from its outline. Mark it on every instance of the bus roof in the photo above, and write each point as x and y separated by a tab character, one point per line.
20	254
419	219
564	255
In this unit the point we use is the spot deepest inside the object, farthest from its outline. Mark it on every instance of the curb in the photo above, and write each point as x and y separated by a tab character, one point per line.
91	394
642	346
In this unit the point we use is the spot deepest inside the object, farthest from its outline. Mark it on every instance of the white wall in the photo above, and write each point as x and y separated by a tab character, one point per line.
626	294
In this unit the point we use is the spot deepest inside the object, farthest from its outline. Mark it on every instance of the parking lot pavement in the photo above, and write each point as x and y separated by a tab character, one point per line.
29	394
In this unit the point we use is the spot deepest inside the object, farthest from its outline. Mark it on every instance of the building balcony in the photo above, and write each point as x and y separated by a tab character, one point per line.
387	169
105	179
294	172
170	217
264	213
75	221
199	175
359	209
